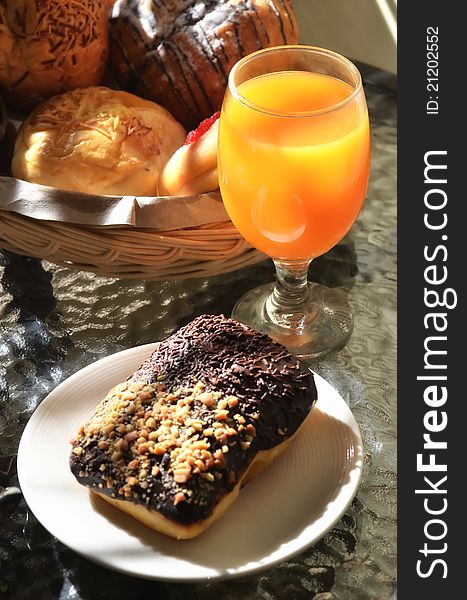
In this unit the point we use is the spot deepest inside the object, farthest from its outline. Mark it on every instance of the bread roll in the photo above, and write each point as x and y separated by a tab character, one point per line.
179	52
97	140
192	169
215	403
51	46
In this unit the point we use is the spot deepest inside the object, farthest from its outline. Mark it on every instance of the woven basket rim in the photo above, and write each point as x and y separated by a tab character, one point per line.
128	252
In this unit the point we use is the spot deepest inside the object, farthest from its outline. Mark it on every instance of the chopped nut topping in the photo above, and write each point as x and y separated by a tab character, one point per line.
151	423
144	431
207	399
251	429
232	401
179	497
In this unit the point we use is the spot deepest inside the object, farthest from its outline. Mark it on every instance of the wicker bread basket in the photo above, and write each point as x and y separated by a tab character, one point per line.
209	247
188	247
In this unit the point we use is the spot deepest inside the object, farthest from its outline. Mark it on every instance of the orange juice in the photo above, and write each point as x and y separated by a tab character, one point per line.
293	161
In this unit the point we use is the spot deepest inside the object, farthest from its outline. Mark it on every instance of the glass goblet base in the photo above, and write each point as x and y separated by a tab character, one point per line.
322	324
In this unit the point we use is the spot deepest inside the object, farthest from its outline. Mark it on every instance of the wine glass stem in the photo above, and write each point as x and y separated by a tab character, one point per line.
286	305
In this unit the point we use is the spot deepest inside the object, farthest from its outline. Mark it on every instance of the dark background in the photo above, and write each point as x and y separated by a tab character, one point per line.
417	134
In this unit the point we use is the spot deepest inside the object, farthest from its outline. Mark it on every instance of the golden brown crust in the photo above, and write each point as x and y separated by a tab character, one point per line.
52	46
179	52
97	140
192	169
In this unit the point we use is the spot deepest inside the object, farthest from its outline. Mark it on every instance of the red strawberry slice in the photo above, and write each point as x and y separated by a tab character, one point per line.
194	135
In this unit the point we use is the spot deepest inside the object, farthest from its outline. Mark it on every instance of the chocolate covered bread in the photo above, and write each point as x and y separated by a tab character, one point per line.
179	52
213	403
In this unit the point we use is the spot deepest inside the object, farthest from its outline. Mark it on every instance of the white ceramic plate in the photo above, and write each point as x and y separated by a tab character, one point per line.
290	506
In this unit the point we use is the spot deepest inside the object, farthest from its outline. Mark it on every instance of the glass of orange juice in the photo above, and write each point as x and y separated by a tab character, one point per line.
294	158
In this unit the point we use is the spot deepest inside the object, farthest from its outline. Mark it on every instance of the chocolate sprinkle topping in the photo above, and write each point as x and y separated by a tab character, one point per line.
180	433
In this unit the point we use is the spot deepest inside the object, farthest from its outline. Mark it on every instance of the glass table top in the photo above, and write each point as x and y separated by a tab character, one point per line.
54	321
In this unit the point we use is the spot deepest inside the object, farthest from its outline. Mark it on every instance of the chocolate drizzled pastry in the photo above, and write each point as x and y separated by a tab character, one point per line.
179	436
179	52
